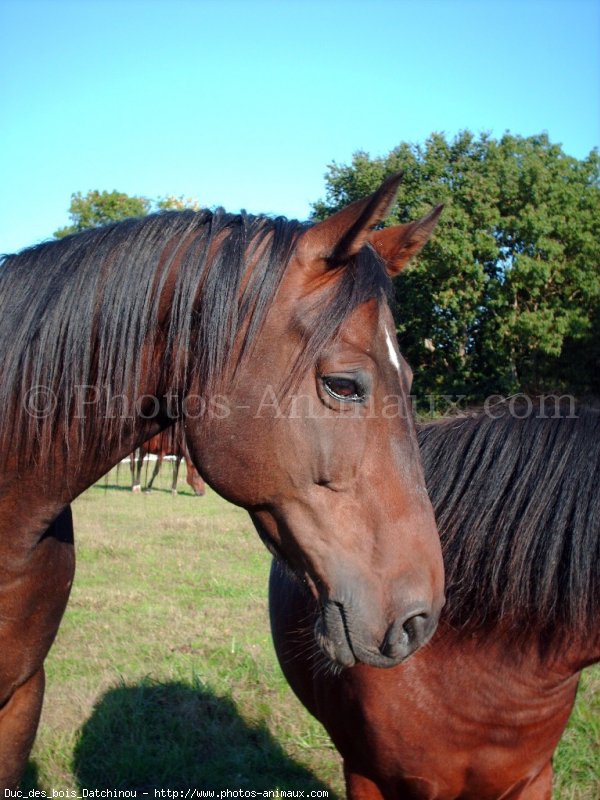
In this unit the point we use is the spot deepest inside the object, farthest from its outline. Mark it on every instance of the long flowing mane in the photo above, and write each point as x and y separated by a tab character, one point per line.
86	310
518	506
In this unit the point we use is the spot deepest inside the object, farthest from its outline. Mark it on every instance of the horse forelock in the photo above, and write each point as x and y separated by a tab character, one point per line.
84	311
518	508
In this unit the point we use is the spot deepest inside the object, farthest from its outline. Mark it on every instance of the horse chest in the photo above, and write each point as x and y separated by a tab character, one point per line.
453	726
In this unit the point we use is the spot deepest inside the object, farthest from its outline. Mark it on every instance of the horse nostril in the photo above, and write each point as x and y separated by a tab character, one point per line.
404	636
418	628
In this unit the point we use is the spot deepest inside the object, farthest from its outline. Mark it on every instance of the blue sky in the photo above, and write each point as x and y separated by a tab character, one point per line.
244	103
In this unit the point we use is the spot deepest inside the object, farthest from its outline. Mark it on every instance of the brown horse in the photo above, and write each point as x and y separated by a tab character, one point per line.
476	714
274	344
168	443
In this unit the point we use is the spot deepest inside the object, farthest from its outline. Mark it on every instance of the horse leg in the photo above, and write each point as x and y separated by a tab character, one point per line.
176	464
194	478
360	788
136	468
34	589
136	460
155	472
19	718
140	466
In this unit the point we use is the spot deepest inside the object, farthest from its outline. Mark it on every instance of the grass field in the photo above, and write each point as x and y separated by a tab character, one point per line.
163	673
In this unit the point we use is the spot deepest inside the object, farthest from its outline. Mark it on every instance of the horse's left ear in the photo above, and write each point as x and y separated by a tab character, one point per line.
333	242
399	244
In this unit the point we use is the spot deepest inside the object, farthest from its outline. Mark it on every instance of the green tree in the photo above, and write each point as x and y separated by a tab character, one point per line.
506	296
95	209
172	203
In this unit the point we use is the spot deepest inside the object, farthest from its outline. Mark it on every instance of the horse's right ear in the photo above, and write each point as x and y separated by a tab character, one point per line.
399	244
333	242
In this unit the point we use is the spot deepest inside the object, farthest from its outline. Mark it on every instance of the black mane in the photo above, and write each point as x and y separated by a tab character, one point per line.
83	310
518	507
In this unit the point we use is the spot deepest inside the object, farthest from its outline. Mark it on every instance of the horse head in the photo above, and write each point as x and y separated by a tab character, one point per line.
314	436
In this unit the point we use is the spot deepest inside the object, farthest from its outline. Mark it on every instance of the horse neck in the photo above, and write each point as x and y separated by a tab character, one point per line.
544	665
583	653
103	430
82	472
517	505
44	490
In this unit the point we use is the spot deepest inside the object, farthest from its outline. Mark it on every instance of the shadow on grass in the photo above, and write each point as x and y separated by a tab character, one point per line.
155	490
173	735
30	781
102	487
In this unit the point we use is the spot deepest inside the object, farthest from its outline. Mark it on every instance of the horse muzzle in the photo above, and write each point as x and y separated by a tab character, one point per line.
346	641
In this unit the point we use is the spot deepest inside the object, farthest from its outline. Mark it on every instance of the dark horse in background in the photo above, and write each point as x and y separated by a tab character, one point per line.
273	343
168	443
478	713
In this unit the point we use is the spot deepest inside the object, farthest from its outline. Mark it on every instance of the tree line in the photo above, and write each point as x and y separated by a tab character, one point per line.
506	296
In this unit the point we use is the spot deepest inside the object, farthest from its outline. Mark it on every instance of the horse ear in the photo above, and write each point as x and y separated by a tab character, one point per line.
399	244
333	242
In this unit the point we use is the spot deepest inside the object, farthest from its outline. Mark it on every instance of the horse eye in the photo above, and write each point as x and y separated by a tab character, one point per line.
344	388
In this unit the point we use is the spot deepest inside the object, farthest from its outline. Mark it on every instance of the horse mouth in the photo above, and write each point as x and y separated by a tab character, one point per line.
333	636
343	646
337	637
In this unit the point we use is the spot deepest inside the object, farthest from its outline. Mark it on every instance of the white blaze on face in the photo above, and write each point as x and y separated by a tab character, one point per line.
392	350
